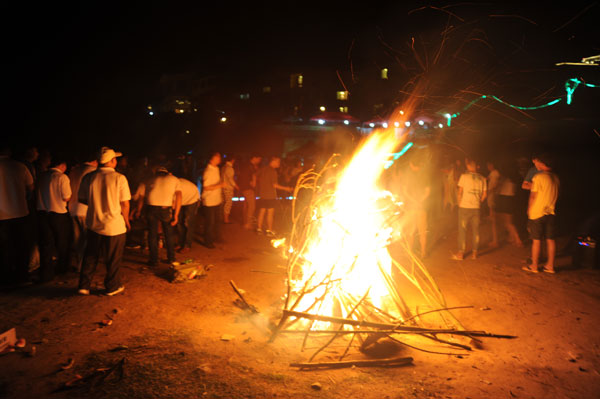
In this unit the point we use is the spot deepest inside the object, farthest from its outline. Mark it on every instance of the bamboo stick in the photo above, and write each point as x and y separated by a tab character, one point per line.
395	362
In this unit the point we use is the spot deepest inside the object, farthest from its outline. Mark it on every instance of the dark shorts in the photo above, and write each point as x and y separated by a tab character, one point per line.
266	203
505	204
542	228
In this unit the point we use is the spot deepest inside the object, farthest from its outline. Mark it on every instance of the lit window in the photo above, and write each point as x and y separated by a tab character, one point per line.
322	108
344	110
266	89
384	73
296	80
245	96
342	95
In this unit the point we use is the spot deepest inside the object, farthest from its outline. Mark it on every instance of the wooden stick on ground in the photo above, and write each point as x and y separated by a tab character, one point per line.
395	362
251	308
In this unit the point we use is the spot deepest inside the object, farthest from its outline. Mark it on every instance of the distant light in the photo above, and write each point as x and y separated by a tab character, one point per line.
322	108
371	124
421	123
385	125
195	109
397	124
223	119
149	106
440	125
151	113
179	111
407	124
401	112
447	116
321	121
346	122
187	132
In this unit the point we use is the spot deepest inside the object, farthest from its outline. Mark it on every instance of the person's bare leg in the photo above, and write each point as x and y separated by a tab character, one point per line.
270	213
551	249
493	218
535	254
512	230
259	221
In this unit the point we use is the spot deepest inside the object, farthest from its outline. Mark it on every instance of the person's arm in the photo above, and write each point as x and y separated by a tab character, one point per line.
284	188
526	185
459	194
176	208
66	188
125	213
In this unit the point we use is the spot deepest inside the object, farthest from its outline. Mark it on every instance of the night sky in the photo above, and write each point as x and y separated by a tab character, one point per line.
71	66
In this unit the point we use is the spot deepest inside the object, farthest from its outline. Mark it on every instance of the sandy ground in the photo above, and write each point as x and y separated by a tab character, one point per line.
169	335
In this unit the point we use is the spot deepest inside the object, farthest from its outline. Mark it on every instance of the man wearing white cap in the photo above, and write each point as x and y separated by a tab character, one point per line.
106	193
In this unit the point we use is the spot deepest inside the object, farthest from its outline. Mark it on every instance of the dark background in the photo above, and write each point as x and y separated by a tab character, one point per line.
80	75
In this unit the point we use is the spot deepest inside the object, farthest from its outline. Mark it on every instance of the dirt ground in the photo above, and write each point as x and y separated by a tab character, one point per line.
166	338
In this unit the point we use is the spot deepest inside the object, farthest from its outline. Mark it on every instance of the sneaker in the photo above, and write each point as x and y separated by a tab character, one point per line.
259	231
116	291
83	291
270	233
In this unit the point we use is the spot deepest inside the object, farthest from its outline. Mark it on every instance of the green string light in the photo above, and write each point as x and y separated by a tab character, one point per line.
570	87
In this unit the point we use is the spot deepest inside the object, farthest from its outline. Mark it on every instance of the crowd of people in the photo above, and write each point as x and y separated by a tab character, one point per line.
57	217
66	217
470	194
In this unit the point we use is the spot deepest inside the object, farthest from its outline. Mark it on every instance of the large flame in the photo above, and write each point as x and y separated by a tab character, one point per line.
339	260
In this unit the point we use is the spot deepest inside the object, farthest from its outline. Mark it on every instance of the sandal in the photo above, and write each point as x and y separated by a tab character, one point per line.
530	270
546	270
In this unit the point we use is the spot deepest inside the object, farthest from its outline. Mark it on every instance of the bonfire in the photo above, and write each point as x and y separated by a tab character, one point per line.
350	274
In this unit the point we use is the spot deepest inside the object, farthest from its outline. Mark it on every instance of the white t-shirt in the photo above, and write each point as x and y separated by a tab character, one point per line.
76	208
54	189
14	180
189	192
473	185
104	190
161	188
211	176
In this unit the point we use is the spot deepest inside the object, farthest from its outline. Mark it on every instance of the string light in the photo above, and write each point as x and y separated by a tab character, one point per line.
570	87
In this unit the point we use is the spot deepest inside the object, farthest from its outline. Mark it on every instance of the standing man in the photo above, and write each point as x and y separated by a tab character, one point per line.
229	187
493	184
106	193
162	197
78	210
211	200
190	199
267	186
16	183
416	189
54	192
472	191
540	212
247	183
